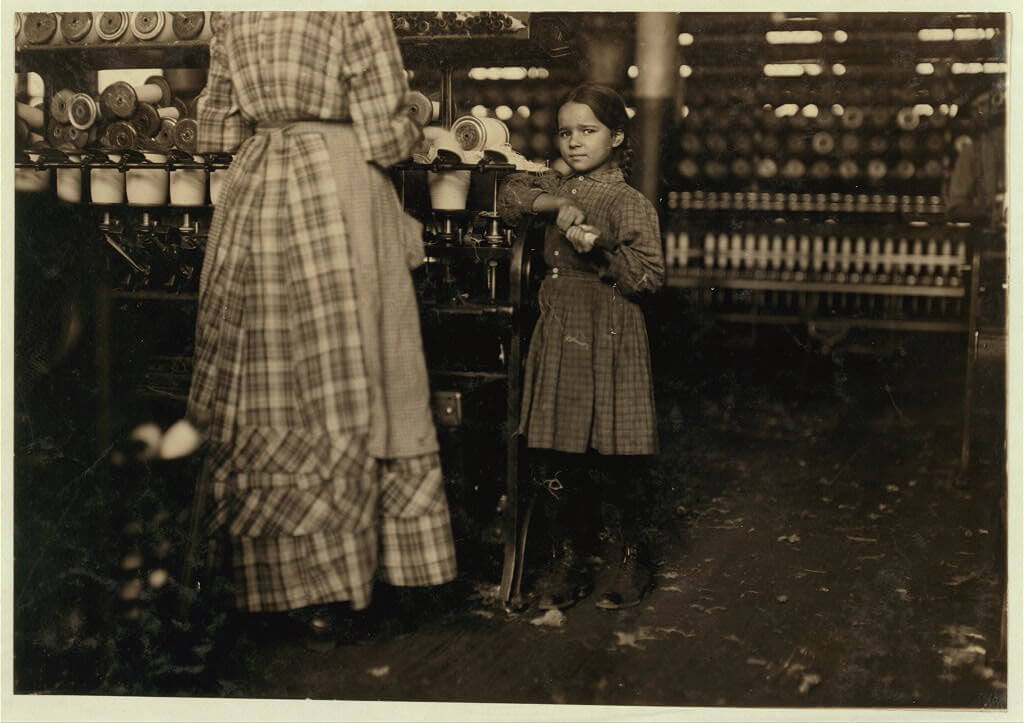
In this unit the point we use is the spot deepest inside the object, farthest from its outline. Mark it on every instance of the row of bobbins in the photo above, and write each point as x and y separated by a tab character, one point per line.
805	202
935	261
83	28
110	183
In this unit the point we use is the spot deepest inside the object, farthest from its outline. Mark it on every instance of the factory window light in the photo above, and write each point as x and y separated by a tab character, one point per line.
685	39
972	33
812	69
633	71
967	68
793	37
840	36
630	111
479	111
503	112
787	109
685	71
923	109
524	111
788	70
935	34
498	73
837	109
838	69
809	111
994	67
925	68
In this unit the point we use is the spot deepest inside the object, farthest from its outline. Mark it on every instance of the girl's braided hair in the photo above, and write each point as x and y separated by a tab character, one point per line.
609	108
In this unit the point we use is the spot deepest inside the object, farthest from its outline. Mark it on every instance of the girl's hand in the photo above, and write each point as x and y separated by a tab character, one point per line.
569	215
582	236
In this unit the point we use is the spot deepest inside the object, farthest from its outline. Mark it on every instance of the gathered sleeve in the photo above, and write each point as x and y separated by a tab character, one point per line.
221	126
520	190
378	85
632	248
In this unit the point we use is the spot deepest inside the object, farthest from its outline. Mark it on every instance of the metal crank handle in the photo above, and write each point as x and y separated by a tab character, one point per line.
132	262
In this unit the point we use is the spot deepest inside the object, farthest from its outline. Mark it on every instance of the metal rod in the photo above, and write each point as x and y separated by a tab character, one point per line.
972	347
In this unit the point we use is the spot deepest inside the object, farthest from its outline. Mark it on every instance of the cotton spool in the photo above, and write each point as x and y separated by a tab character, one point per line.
106	185
448	190
188	185
69	181
31	180
478	134
147	186
216	184
419	108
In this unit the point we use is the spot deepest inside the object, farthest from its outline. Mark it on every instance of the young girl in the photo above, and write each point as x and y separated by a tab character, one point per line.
588	405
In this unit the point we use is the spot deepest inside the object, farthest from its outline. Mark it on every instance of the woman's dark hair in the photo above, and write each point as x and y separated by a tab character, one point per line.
609	108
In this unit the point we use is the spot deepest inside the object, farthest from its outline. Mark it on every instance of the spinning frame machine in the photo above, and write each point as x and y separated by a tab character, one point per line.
475	270
835	219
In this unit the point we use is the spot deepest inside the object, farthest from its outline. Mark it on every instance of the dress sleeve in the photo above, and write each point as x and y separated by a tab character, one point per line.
377	84
221	126
520	190
633	247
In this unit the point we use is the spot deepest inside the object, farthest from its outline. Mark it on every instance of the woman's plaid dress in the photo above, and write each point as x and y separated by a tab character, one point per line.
309	375
588	371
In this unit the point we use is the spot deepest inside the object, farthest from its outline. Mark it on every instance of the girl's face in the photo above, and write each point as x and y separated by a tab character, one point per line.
585	143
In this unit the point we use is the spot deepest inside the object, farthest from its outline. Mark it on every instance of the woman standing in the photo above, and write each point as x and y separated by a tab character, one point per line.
309	378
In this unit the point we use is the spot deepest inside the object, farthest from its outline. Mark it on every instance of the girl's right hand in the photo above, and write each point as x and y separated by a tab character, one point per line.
569	215
582	238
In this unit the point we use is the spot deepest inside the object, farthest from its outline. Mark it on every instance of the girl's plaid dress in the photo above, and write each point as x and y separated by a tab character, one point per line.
309	376
588	371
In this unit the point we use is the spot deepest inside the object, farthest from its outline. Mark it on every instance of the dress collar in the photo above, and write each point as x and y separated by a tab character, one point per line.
605	175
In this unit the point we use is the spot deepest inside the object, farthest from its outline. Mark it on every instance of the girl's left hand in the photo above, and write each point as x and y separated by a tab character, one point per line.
582	237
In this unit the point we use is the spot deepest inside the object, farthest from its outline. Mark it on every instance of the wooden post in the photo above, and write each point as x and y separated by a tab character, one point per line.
656	43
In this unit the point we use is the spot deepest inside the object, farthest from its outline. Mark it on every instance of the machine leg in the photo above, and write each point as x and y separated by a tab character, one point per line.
972	350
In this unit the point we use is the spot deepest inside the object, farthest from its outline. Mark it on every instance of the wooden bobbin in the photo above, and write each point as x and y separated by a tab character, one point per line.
38	28
119	99
147	25
187	26
75	26
60	105
163	141
146	120
186	135
120	136
56	134
84	111
112	26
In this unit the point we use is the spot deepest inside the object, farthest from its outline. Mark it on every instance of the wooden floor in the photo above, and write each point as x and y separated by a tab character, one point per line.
820	549
819	556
